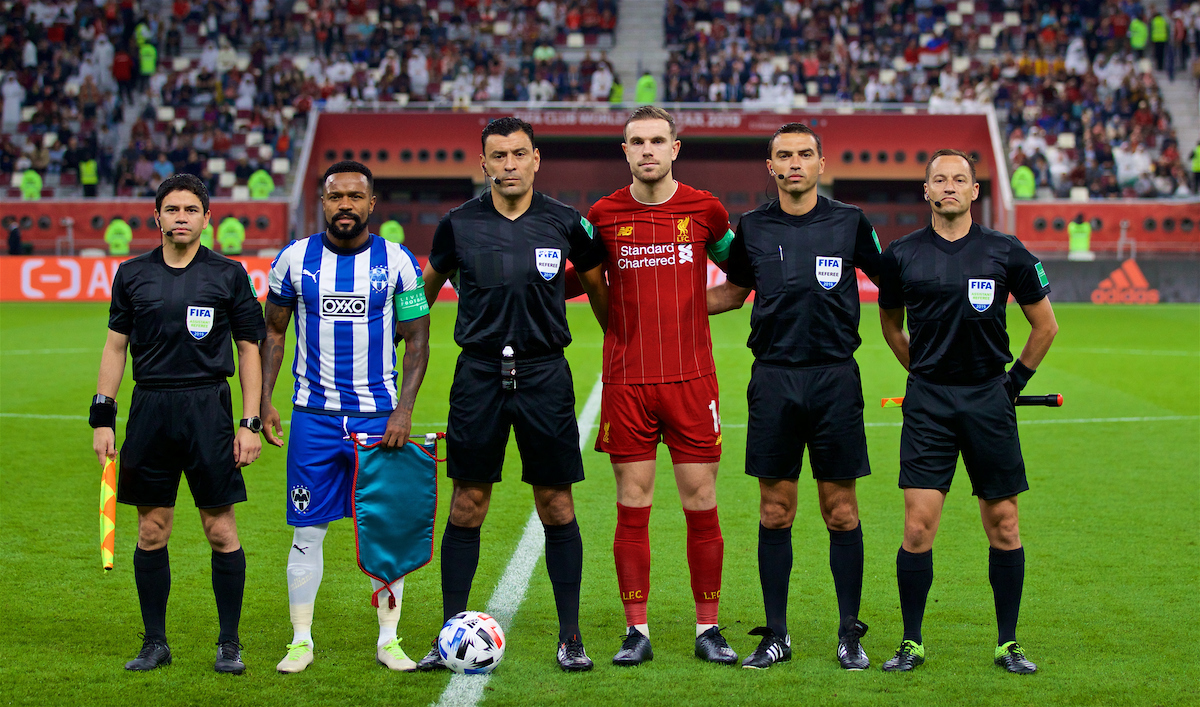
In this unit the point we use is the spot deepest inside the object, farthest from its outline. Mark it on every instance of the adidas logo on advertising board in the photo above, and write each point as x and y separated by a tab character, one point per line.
1126	285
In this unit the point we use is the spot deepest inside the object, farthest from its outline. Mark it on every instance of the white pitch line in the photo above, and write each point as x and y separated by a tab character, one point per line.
467	690
1067	421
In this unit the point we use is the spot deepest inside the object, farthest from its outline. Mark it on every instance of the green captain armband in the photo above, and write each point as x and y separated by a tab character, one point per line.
719	252
411	304
587	227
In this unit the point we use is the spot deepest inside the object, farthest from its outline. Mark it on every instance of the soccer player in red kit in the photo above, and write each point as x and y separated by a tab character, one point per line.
659	376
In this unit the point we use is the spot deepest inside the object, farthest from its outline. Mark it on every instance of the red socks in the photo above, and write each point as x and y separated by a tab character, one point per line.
705	553
631	550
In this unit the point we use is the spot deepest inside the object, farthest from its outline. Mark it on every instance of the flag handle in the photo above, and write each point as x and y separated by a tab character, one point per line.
1054	400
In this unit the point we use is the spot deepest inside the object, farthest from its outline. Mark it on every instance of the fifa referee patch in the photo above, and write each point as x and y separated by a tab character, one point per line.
1041	274
411	304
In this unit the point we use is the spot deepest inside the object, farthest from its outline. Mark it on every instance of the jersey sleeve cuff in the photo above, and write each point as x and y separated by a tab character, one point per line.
280	300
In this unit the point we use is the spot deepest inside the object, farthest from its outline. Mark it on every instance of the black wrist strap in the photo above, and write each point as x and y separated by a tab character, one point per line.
102	415
1020	372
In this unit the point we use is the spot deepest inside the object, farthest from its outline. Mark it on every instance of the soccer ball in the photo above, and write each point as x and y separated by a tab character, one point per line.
471	643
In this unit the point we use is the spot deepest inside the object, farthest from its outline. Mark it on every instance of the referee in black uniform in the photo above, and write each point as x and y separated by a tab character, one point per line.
954	278
799	254
508	248
175	309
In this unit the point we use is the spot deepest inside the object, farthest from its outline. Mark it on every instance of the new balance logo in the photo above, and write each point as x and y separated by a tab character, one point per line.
344	307
1126	285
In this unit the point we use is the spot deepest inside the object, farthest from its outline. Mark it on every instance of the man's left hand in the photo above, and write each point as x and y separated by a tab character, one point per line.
246	447
399	424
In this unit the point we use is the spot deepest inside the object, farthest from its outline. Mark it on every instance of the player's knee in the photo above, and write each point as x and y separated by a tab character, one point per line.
841	516
468	509
1005	533
776	515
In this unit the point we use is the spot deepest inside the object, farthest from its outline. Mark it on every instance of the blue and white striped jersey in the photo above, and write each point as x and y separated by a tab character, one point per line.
346	307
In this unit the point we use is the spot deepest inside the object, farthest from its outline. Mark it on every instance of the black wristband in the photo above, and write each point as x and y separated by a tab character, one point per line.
1020	375
103	415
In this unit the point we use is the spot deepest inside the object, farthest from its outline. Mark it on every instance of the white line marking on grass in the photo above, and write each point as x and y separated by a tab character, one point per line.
39	352
1068	421
467	690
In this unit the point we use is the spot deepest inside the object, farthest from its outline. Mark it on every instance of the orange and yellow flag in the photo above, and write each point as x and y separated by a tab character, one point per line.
892	402
108	513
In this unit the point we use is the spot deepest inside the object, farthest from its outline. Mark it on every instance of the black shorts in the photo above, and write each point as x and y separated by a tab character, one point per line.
169	431
817	406
978	420
541	411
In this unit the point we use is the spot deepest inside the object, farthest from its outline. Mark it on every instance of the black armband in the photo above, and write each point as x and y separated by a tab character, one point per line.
103	412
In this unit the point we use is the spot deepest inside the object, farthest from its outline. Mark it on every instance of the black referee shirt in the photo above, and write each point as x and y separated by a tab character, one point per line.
956	294
510	282
179	321
802	270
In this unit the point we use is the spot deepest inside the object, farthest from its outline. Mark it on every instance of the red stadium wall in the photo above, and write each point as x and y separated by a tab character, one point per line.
441	145
1158	227
268	221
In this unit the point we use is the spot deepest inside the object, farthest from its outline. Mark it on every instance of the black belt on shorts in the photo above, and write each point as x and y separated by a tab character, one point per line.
958	383
181	384
476	355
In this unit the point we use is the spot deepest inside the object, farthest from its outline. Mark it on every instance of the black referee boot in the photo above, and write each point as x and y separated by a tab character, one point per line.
155	652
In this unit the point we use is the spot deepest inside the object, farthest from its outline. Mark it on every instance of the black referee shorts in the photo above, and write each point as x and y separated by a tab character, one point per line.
978	420
541	411
820	407
173	430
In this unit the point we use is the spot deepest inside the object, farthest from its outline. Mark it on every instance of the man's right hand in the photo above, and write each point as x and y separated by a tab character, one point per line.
272	425
104	443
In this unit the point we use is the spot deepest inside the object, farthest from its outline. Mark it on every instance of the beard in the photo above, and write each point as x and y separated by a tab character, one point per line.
346	233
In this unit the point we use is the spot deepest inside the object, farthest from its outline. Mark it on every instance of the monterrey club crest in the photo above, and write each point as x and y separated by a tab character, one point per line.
829	271
980	293
379	278
548	262
199	321
301	498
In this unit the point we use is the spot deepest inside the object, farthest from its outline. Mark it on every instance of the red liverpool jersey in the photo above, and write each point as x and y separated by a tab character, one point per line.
657	262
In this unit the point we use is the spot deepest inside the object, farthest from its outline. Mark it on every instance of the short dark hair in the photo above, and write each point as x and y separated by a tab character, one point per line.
504	127
794	128
651	113
947	152
350	166
181	182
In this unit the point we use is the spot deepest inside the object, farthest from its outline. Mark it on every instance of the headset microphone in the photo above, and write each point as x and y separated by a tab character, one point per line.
778	176
938	204
496	180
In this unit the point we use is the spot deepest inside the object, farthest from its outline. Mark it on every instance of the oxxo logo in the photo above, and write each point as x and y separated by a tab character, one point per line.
344	306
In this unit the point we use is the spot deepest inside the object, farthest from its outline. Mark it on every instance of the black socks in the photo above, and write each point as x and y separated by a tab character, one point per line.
914	575
460	557
774	572
1006	570
564	564
229	582
846	564
152	574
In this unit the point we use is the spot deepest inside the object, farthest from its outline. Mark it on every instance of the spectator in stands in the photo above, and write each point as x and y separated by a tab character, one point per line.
14	99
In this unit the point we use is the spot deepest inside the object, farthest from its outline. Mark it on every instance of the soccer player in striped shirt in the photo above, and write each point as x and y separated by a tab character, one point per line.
353	296
659	376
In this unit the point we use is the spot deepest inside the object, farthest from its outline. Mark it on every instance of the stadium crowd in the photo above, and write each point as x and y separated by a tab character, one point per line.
221	89
1078	106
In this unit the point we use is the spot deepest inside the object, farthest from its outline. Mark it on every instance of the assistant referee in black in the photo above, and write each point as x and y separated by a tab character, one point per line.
175	309
798	254
953	278
508	248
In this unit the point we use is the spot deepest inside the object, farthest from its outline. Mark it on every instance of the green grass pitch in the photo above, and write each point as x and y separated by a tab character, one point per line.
1110	528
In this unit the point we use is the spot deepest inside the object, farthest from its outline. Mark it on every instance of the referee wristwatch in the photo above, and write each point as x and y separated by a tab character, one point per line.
254	424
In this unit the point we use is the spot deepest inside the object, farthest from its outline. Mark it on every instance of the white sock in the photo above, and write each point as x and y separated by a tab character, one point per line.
306	564
388	618
701	628
643	629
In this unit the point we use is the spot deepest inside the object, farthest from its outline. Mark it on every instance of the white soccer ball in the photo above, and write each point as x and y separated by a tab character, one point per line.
471	643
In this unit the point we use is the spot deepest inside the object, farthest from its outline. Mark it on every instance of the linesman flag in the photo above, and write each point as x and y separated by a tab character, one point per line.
108	513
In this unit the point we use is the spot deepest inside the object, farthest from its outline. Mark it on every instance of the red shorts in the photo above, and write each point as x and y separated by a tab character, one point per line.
633	418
